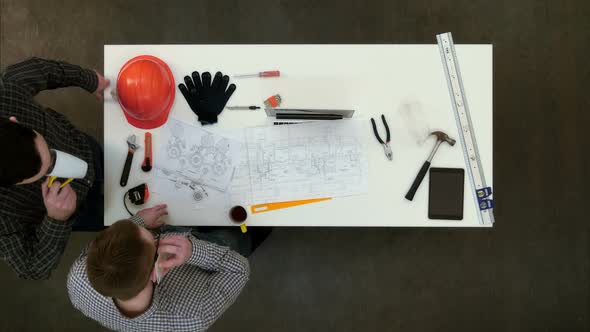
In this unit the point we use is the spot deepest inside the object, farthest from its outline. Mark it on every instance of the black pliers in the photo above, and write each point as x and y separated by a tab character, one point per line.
386	147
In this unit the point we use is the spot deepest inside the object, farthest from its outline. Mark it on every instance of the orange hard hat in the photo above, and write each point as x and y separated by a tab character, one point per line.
145	90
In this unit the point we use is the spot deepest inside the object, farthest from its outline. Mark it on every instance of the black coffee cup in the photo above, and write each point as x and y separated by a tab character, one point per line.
238	214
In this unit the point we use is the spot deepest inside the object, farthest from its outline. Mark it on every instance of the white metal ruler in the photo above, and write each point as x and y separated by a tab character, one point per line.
481	192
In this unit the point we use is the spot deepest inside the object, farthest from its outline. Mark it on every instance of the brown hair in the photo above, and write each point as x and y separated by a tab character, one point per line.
120	261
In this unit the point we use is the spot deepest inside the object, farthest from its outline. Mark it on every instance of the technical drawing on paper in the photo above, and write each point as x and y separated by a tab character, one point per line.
194	163
190	192
198	193
239	190
308	160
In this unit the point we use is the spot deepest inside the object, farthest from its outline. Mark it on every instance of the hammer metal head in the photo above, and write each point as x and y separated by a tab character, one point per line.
442	137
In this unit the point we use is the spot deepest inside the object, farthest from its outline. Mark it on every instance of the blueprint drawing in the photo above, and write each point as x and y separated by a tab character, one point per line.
239	190
193	162
307	160
188	191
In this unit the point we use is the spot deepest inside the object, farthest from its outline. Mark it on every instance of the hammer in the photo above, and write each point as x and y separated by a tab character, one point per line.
440	137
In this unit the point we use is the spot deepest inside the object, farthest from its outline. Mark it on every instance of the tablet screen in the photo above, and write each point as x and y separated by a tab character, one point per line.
445	199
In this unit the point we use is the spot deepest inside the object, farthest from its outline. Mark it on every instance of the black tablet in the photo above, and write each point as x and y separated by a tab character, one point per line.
445	198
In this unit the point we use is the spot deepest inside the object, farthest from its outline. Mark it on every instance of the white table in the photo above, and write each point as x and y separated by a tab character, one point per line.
372	79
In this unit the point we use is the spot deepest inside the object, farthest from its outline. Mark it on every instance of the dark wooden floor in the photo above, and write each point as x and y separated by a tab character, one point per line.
530	273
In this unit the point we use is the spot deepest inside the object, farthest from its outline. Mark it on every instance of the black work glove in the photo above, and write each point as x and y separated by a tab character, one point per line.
207	99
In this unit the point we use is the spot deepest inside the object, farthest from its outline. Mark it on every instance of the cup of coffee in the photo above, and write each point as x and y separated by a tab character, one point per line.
238	214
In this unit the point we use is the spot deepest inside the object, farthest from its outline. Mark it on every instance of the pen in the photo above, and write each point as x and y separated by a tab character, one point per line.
243	107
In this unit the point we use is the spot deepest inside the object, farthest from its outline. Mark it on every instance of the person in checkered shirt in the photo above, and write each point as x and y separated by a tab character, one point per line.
35	220
141	275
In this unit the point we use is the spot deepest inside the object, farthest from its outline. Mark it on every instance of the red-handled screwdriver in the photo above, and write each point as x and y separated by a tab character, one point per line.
268	73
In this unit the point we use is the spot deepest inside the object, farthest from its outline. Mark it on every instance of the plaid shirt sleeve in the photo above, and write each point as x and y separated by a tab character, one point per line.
76	282
228	274
138	221
39	74
35	251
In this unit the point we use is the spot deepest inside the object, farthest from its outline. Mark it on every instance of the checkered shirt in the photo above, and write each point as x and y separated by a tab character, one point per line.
189	298
31	242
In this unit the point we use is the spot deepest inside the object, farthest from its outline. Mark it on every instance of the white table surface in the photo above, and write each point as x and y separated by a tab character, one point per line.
372	79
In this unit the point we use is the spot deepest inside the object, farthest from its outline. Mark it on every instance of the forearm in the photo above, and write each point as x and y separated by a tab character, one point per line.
229	274
165	230
136	219
213	257
34	253
52	238
37	75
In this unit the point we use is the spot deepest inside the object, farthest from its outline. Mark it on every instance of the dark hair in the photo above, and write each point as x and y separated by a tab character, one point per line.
120	261
20	158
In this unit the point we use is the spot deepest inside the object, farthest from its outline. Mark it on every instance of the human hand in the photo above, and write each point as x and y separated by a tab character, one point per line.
151	216
174	251
60	203
102	84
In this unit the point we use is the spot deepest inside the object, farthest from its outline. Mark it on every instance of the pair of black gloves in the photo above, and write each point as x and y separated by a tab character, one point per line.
207	98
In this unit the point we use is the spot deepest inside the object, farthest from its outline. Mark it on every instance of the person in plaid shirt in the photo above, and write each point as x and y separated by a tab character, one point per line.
35	221
131	279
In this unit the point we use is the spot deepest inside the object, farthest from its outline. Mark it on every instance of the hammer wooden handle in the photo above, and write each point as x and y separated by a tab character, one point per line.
418	181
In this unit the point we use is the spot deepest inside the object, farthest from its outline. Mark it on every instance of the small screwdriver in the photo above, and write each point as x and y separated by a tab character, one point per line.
243	107
268	73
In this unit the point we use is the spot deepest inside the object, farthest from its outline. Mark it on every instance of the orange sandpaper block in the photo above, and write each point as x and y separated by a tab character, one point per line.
283	205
